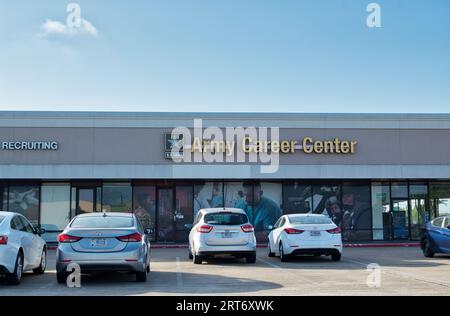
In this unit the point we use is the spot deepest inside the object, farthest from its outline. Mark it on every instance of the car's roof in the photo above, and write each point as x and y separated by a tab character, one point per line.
6	214
222	209
99	214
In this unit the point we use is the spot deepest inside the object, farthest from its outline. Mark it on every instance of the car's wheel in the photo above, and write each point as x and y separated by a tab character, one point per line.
336	256
269	250
251	259
15	277
43	264
141	276
427	249
283	256
61	277
197	259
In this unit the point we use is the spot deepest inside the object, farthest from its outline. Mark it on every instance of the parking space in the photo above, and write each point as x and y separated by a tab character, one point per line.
403	271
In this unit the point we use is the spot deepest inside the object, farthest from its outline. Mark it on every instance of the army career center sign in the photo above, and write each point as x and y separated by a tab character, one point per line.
30	145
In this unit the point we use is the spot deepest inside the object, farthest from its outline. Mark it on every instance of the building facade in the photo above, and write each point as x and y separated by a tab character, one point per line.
379	177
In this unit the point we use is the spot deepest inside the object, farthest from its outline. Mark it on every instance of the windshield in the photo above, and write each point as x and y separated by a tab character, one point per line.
1	219
225	219
102	222
309	220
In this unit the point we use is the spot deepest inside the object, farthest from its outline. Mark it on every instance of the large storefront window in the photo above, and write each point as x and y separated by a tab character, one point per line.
327	201
117	197
144	201
183	216
356	215
55	209
440	198
418	195
381	207
207	194
297	198
24	199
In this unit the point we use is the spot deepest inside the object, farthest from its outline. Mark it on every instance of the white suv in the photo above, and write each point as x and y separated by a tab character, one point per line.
222	231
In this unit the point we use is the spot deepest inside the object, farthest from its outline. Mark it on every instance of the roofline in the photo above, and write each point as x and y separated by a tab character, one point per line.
222	115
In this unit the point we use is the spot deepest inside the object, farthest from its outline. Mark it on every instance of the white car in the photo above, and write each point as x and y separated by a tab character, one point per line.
222	231
298	234
21	247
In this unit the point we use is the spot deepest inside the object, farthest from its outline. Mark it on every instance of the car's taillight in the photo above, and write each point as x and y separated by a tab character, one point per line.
293	231
67	238
131	238
247	228
3	240
204	229
336	230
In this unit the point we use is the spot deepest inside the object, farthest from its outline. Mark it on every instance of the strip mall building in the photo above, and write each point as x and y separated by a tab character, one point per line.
378	176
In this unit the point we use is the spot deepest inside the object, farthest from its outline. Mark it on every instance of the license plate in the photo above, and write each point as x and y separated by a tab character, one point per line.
227	234
315	233
98	242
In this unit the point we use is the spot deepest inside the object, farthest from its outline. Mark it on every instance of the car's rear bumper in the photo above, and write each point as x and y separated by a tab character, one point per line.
234	253
315	251
133	258
100	266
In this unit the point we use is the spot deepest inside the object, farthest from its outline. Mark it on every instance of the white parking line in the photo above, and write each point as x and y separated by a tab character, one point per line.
179	273
273	265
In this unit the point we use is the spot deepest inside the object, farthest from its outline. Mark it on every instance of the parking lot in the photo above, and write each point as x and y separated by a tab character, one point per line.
404	271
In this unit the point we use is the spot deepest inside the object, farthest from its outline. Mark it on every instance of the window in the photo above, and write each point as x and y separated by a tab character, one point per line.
438	222
102	222
1	219
224	218
440	198
297	198
24	199
26	225
381	207
399	190
355	216
207	195
309	220
144	201
117	197
17	224
55	209
447	222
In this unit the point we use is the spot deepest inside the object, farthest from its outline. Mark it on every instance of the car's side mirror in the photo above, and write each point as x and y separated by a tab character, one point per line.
148	231
40	231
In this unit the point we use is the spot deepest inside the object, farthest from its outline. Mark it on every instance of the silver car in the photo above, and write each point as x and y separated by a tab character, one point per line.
104	242
222	231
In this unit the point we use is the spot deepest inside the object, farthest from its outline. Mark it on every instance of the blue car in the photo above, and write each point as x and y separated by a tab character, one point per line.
436	236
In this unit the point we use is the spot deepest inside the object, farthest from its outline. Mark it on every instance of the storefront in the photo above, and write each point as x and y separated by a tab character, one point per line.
379	177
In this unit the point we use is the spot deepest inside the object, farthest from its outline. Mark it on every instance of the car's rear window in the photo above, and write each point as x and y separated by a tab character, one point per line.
102	222
224	218
2	218
309	220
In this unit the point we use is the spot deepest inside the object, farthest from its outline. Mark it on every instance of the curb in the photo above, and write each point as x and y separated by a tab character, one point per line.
377	245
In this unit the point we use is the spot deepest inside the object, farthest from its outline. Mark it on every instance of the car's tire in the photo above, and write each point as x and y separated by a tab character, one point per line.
141	276
43	264
269	250
15	277
251	259
197	259
336	256
427	249
61	277
283	256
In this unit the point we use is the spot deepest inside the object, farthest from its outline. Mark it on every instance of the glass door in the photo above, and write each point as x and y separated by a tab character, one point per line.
184	203
400	219
419	217
86	200
165	217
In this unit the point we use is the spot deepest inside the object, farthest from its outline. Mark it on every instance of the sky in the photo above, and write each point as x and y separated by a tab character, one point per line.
226	55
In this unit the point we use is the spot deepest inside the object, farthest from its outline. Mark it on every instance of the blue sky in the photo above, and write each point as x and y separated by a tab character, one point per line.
226	55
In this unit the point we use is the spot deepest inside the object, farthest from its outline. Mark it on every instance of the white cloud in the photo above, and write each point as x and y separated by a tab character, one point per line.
51	27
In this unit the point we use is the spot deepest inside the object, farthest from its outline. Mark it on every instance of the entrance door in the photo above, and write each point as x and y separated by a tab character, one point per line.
400	219
86	200
419	216
165	217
